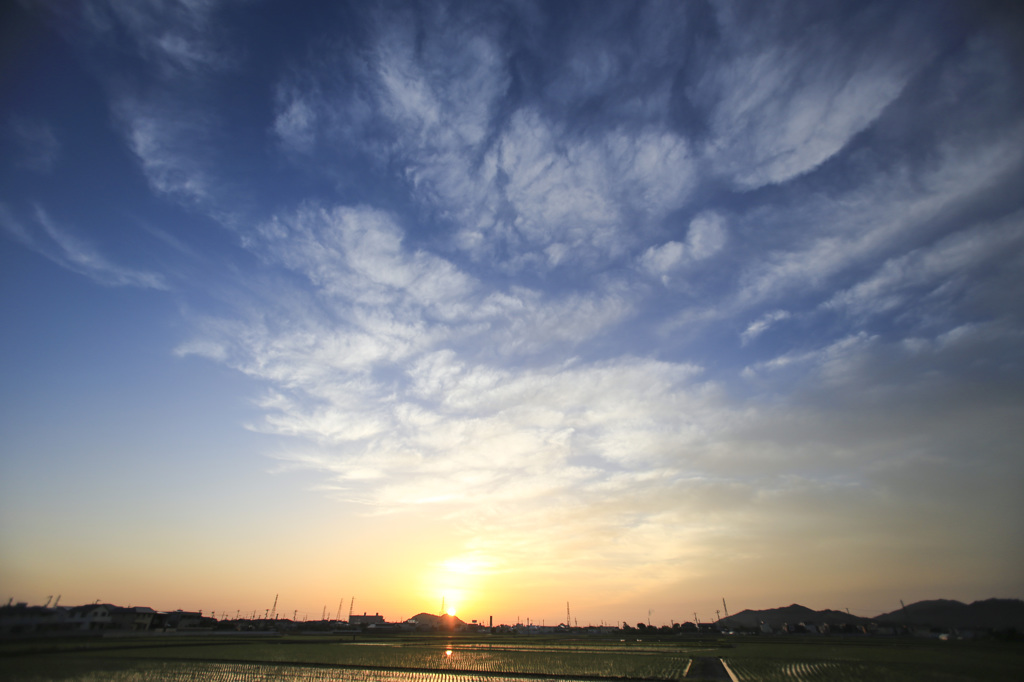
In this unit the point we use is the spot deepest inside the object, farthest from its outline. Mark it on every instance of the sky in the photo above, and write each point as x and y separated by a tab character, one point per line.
635	306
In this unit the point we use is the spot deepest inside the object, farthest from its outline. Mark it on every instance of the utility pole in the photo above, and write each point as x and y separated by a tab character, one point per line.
719	614
568	620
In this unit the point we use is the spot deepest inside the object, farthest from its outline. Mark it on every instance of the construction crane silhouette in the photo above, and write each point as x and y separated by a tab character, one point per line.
337	617
351	605
273	609
726	608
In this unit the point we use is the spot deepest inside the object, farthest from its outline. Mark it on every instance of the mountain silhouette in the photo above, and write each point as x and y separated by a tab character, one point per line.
792	614
995	614
989	614
431	621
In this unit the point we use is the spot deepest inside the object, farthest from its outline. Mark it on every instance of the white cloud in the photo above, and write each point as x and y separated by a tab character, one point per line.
168	143
552	190
533	322
357	254
706	237
834	360
372	307
506	433
662	470
660	260
762	324
295	123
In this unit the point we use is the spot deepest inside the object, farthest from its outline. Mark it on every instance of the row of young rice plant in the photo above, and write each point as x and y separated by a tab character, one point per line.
774	670
253	672
771	670
565	661
665	663
875	660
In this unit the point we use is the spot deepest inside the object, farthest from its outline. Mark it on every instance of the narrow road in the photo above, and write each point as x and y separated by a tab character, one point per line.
707	668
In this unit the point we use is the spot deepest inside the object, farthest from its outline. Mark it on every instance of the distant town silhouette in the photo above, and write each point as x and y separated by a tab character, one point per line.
941	618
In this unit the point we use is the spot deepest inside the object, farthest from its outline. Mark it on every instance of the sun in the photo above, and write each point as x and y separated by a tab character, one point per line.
451	610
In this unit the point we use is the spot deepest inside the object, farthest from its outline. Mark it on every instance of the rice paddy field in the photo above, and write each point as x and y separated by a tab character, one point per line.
503	659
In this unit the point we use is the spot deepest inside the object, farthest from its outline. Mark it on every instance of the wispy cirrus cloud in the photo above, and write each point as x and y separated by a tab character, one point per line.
518	188
780	108
176	36
443	276
38	144
75	253
396	412
158	61
813	251
938	274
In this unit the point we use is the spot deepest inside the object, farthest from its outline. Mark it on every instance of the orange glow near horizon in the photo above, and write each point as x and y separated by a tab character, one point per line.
455	583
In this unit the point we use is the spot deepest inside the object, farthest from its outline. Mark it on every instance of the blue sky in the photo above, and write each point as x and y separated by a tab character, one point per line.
635	305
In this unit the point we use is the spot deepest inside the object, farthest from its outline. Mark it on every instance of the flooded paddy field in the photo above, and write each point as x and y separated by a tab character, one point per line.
503	659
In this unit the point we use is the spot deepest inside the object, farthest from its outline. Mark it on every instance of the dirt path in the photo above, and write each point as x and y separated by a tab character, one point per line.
707	668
